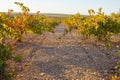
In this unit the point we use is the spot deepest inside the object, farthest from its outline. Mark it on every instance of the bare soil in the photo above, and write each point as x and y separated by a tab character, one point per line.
53	56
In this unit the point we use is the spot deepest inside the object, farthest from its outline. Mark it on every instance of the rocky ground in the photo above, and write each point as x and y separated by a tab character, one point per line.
56	57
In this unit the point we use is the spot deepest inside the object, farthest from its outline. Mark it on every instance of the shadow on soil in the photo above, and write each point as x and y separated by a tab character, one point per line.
58	59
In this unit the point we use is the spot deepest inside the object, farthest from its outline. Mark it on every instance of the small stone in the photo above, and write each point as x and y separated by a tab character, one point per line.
42	74
117	46
21	75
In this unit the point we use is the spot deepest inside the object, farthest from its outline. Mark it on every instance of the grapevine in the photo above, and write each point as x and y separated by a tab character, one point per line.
96	24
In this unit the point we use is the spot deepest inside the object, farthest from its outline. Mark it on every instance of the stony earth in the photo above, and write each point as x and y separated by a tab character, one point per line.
53	56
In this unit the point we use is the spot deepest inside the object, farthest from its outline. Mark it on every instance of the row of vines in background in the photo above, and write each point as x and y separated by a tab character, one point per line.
97	24
14	26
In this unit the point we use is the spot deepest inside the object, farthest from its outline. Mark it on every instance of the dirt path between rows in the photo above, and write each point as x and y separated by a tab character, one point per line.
63	59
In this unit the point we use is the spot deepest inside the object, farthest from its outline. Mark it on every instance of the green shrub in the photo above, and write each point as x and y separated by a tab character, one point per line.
5	54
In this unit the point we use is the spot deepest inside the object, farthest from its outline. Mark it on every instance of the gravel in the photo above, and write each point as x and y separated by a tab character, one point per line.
65	58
